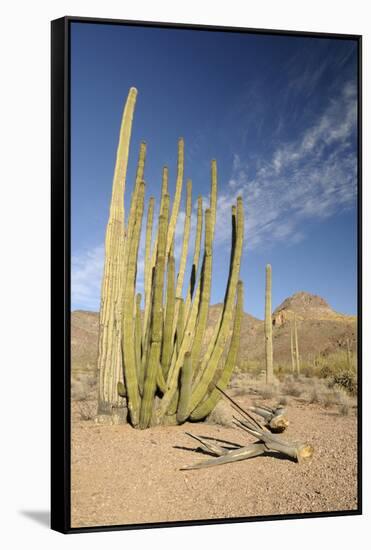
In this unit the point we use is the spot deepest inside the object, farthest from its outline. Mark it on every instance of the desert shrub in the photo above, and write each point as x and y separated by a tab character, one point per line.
347	381
292	387
314	395
325	371
267	391
307	371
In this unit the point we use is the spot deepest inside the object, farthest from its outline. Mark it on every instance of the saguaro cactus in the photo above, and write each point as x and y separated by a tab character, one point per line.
292	349
268	325
297	355
166	372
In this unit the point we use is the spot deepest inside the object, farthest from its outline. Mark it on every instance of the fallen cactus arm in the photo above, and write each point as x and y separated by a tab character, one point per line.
266	441
255	449
275	419
295	450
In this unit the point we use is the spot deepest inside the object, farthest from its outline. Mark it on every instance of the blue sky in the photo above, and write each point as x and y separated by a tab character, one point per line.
278	113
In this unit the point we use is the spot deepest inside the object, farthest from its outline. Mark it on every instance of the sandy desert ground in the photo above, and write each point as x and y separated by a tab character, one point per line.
126	476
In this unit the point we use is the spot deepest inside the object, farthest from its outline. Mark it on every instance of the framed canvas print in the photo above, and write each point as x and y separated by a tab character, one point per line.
206	203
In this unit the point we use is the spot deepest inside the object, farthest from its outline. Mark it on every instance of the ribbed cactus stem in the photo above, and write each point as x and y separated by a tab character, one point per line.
150	385
128	314
205	290
148	267
178	195
185	388
293	360
180	324
208	366
138	343
156	323
349	358
297	355
167	345
164	194
164	187
196	257
109	336
186	231
205	408
268	326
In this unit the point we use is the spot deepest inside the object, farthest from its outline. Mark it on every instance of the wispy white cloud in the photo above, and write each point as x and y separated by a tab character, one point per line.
311	177
86	277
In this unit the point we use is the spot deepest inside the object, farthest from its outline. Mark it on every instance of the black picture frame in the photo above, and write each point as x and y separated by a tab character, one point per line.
61	270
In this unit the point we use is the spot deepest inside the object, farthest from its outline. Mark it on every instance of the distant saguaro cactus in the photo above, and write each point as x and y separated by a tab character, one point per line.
292	349
297	355
268	325
162	372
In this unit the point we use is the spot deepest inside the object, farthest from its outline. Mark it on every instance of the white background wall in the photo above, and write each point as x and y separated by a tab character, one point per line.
24	271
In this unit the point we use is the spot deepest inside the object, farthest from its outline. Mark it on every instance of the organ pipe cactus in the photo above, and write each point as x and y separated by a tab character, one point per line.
163	369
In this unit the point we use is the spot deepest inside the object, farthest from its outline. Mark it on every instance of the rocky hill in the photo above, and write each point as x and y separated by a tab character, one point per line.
321	331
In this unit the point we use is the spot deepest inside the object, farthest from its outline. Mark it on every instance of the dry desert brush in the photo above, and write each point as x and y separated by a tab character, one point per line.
152	359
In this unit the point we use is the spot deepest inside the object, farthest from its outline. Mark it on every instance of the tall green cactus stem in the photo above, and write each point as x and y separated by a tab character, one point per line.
268	326
148	267
186	231
109	338
150	385
138	344
196	257
164	192
297	355
167	343
164	187
349	361
185	389
156	323
205	290
128	318
205	408
180	324
124	248
293	360
177	197
208	367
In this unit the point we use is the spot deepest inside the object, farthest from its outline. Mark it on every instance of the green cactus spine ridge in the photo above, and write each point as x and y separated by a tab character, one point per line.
167	344
196	257
153	360
205	290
